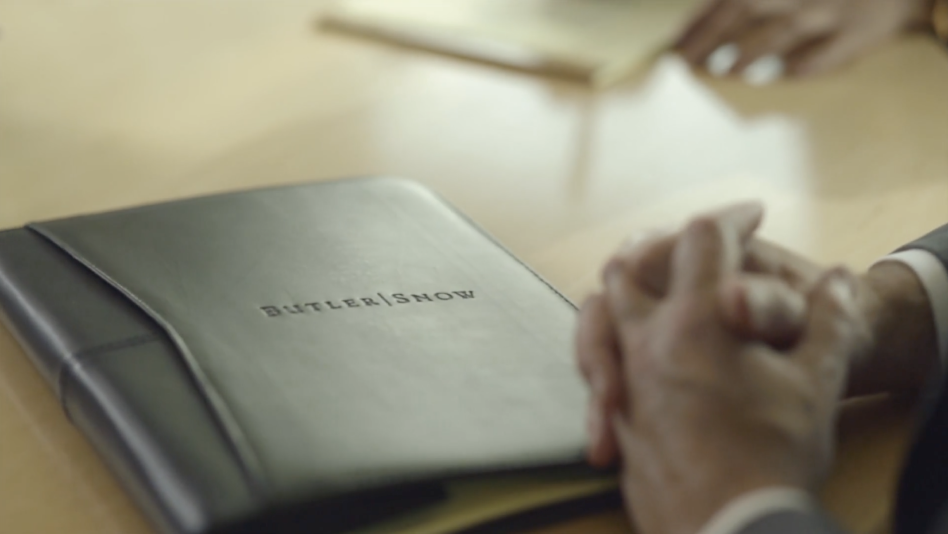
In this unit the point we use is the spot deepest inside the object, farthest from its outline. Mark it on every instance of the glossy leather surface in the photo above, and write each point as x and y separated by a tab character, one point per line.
315	342
120	380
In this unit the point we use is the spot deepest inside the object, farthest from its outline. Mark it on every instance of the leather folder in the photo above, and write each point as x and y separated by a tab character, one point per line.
349	356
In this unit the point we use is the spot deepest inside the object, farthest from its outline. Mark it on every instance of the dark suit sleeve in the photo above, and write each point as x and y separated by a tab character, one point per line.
935	242
792	522
923	491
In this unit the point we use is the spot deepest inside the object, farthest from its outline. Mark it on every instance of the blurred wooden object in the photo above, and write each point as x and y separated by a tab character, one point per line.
108	104
597	41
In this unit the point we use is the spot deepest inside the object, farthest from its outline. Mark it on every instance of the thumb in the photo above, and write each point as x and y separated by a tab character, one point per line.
836	333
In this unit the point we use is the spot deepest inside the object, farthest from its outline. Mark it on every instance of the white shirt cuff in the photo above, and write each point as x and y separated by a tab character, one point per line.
934	278
744	510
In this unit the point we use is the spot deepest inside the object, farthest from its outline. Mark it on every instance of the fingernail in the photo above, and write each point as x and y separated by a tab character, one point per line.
612	269
751	207
635	240
764	71
722	60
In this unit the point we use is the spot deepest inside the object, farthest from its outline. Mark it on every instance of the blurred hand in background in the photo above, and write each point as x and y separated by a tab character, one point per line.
764	39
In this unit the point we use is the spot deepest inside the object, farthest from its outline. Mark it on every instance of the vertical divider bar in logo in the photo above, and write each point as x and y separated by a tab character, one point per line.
381	296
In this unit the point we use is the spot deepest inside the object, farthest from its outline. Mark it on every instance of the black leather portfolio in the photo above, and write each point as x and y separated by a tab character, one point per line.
350	356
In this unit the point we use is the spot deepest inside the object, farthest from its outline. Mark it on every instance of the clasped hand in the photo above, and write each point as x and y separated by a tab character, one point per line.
714	371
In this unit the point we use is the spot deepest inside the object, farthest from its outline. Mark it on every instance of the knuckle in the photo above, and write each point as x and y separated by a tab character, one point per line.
636	259
645	250
844	271
644	240
635	266
616	267
704	226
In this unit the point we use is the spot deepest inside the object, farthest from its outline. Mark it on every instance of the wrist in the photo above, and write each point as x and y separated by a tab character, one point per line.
899	315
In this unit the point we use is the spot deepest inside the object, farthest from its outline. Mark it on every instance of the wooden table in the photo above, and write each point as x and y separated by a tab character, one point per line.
105	104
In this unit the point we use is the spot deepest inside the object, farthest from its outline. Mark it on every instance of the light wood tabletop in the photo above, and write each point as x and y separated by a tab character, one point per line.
107	104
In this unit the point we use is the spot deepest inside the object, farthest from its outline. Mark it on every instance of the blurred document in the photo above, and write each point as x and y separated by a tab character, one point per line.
601	41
